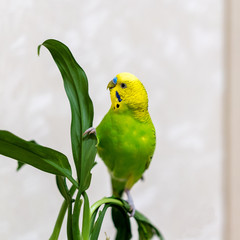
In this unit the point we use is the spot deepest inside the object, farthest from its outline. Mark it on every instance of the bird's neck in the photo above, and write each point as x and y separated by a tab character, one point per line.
139	113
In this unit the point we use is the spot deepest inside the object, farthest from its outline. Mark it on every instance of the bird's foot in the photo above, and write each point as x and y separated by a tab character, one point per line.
91	130
130	202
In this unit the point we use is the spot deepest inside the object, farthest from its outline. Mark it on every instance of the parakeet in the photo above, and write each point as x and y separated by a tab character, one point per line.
126	134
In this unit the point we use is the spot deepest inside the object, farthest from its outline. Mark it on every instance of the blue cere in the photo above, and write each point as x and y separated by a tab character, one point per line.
115	80
118	97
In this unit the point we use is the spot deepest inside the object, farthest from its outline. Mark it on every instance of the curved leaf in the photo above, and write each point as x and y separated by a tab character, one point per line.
76	87
122	223
120	209
146	229
63	189
97	226
43	158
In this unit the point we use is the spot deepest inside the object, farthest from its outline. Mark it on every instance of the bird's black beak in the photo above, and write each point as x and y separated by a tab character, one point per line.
111	85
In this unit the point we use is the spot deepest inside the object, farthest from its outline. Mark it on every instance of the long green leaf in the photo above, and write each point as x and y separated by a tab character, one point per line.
97	226
43	158
76	87
122	223
20	164
92	219
120	209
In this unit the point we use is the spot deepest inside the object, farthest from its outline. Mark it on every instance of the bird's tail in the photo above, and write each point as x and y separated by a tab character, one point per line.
119	216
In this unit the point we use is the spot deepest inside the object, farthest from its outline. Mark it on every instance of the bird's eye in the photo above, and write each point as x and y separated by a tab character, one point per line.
123	85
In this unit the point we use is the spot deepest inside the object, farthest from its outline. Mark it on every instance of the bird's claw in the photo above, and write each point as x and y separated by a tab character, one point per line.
132	211
89	131
131	203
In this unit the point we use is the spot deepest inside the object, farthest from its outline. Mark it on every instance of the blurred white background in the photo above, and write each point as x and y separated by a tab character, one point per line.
175	48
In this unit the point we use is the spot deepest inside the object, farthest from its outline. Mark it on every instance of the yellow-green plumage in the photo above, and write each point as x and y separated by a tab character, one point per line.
126	135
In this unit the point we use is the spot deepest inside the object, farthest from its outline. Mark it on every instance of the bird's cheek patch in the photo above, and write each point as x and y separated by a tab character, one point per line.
118	96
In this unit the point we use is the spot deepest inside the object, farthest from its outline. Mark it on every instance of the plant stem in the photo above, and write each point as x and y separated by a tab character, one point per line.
73	181
69	222
62	212
75	217
105	200
86	218
59	221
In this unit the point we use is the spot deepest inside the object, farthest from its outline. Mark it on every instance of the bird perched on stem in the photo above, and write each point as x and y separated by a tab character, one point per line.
126	135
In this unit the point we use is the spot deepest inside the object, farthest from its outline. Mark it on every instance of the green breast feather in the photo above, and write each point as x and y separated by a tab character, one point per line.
126	146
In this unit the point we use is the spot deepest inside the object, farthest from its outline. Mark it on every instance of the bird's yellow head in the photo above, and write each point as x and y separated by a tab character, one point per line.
127	92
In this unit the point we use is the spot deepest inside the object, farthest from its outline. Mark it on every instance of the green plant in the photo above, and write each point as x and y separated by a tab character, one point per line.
84	151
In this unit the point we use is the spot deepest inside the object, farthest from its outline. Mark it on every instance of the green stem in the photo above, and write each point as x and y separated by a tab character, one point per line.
69	222
86	218
62	212
105	200
75	217
73	181
58	224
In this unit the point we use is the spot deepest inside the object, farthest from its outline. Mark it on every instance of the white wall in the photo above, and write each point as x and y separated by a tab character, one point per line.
175	48
232	119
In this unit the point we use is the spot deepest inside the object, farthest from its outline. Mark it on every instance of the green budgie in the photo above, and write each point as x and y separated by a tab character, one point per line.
126	135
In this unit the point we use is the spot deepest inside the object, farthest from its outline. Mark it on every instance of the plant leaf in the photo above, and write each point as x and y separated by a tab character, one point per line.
63	189
20	165
92	220
146	229
76	87
69	222
86	218
43	158
62	212
90	151
122	223
97	226
75	218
